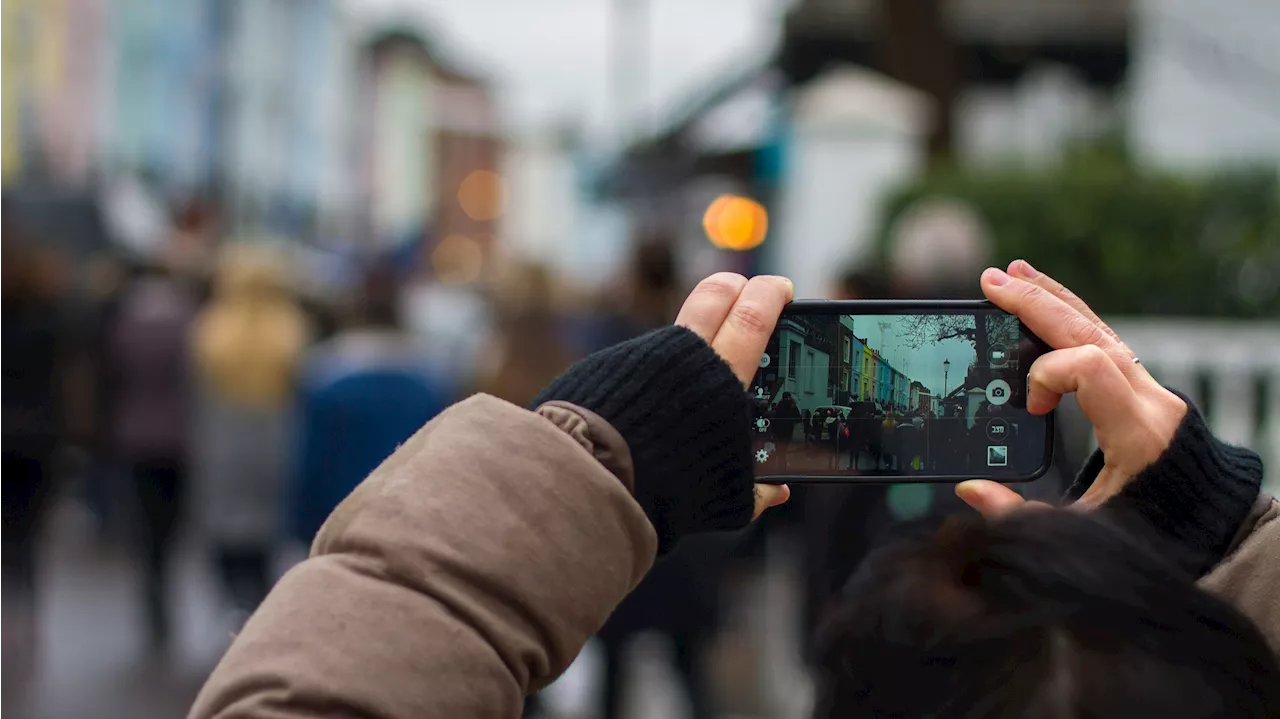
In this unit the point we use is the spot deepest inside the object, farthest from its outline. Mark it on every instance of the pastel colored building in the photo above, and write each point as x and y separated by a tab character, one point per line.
856	381
427	127
867	370
52	87
12	86
286	100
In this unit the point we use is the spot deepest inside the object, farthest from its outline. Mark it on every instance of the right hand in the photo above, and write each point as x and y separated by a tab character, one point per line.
1134	418
736	316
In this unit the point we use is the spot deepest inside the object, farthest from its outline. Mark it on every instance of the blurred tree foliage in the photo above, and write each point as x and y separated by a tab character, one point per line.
1129	240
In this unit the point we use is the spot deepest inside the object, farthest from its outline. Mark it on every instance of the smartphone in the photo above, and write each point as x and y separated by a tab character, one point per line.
897	391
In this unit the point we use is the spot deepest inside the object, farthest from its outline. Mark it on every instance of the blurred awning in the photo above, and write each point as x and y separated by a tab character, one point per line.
717	131
66	220
999	40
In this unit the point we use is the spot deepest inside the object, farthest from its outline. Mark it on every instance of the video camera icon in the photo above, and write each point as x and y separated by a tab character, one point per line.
997	355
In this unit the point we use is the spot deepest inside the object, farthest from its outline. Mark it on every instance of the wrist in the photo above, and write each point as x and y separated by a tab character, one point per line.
1193	497
684	416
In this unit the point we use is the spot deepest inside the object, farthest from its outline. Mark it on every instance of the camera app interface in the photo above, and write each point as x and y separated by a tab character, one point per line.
896	395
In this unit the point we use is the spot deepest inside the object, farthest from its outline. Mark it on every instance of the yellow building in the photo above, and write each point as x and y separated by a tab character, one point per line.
867	390
50	74
14	73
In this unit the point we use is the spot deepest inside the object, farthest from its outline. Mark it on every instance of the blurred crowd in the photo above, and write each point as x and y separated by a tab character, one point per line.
205	390
207	393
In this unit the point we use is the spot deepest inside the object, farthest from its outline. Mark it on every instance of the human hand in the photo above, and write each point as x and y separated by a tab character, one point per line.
1134	418
736	316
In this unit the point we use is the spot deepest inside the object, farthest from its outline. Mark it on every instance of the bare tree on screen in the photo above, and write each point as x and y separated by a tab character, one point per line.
917	331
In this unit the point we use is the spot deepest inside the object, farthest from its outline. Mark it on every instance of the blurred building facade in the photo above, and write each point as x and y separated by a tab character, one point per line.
155	91
429	127
294	117
839	113
287	103
52	86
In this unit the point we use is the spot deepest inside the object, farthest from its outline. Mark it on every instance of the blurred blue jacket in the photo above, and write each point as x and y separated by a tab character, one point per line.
362	394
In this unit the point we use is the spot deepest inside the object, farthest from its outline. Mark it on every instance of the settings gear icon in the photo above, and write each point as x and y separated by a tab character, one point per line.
762	455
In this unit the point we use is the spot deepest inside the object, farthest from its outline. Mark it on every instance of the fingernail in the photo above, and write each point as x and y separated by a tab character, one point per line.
996	277
1026	270
967	490
791	287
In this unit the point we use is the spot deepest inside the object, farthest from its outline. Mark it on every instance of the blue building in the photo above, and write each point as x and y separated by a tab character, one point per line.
164	61
251	93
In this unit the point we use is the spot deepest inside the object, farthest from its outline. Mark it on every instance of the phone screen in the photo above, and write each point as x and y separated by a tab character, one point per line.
903	391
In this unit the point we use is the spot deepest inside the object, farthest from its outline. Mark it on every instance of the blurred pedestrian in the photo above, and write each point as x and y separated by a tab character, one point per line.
679	600
530	348
149	346
105	282
837	523
889	441
34	341
835	436
361	394
248	345
786	417
907	439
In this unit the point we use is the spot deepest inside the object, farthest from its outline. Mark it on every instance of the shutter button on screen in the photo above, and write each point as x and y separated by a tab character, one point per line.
997	392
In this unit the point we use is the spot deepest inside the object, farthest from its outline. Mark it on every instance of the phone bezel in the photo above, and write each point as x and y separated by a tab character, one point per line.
873	307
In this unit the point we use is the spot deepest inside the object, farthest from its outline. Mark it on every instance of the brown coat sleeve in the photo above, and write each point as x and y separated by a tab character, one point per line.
1249	575
469	568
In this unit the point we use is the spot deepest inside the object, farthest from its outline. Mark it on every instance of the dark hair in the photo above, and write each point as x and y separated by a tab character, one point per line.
1042	614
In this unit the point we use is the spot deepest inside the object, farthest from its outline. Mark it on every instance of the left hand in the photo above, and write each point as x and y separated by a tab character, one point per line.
1133	416
736	316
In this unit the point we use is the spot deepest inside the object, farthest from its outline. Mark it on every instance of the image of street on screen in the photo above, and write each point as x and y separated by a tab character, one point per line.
881	395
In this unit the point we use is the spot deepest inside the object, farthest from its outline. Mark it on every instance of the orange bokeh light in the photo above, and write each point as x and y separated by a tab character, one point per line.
483	195
733	222
457	260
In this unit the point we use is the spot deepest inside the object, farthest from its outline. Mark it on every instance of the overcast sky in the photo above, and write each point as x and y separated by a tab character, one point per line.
551	59
924	364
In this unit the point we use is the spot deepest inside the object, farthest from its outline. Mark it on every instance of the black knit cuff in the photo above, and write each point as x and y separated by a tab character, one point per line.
1193	498
686	420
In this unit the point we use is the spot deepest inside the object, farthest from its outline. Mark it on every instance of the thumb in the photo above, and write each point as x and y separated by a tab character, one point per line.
770	495
991	499
1106	485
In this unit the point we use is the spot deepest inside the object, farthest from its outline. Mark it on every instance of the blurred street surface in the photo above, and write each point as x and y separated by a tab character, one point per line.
93	661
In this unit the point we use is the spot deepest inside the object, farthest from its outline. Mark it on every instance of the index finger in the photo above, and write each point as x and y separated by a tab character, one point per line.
745	332
708	305
1023	269
1050	318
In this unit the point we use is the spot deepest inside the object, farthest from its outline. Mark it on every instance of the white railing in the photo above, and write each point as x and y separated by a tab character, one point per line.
1233	361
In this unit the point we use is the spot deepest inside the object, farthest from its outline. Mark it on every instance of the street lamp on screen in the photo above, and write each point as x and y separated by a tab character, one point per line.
946	368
